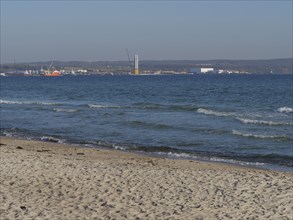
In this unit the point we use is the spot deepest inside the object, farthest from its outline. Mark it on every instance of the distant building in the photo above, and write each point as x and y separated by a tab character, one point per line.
202	70
82	71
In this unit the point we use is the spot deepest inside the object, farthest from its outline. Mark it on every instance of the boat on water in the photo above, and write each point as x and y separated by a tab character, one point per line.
54	73
27	73
49	73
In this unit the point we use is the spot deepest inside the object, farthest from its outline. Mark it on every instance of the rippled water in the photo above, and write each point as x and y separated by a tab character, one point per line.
244	119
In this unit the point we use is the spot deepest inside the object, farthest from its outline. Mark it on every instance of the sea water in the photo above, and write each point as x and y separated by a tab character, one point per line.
242	119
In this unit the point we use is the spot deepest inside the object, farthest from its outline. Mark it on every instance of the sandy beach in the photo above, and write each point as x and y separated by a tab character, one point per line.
43	180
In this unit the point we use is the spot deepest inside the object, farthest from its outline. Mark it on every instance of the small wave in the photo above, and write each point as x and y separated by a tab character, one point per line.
207	158
105	144
118	147
7	134
177	155
149	125
183	107
262	122
258	135
244	163
46	103
103	106
252	160
215	113
7	102
15	132
65	110
153	106
155	149
10	102
147	106
51	139
232	158
266	159
285	110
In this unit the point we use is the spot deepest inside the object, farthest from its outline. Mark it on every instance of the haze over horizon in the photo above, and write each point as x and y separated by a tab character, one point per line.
34	31
146	60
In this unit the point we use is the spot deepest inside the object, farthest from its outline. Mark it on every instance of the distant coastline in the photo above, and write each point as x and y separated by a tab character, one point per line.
153	67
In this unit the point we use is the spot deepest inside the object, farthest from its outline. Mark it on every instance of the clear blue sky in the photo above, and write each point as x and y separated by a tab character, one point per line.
102	30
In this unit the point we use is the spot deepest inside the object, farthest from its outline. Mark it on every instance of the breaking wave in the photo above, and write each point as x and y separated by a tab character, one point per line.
259	135
176	155
215	113
103	106
7	134
206	158
7	102
285	110
51	139
148	106
110	145
244	163
171	107
262	122
65	110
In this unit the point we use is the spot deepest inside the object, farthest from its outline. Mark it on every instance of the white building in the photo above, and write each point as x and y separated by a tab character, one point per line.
202	70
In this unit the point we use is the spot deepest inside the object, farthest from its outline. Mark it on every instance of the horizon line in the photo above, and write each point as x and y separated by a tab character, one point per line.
225	59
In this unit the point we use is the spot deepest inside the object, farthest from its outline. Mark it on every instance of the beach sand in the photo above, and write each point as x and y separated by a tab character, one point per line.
42	180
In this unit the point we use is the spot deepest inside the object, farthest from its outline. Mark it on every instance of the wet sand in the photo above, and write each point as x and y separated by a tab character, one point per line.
42	180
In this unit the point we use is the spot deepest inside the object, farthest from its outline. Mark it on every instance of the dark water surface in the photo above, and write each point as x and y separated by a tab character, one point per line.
244	119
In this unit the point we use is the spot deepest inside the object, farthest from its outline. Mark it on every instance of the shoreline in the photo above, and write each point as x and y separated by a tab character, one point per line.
164	155
60	181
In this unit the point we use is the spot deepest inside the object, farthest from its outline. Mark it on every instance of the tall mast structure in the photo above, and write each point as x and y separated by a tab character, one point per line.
136	70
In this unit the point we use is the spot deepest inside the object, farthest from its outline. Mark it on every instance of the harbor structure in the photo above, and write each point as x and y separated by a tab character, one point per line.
136	70
49	73
202	70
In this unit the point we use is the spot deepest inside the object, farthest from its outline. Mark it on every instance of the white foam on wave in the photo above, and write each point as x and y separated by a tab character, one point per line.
244	163
257	135
117	147
214	159
10	102
65	110
51	139
285	110
177	155
7	134
7	102
102	106
97	106
262	122
215	113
